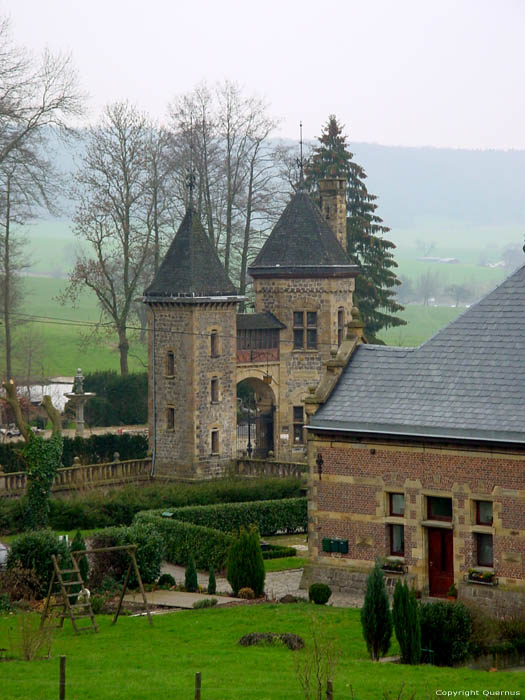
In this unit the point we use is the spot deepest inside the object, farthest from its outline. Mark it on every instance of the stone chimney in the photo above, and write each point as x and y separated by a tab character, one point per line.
333	205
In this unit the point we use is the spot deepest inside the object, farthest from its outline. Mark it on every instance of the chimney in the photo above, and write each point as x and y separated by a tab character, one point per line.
333	205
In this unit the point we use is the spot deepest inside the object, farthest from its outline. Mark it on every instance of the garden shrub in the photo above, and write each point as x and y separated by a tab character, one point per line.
33	550
190	577
405	615
512	629
149	554
12	515
277	551
5	604
212	583
120	399
98	603
246	593
446	629
376	618
245	565
319	593
19	583
285	516
166	581
205	603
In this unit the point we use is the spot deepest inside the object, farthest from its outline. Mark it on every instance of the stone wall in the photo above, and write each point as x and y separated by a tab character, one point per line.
350	501
301	369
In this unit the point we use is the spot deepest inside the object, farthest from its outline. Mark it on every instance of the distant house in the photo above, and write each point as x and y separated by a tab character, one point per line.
418	457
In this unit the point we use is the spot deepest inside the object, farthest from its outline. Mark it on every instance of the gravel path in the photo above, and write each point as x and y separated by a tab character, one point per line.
277	585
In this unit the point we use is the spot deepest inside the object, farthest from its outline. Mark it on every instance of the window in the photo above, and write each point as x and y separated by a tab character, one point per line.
397	540
170	363
298	425
340	326
214	344
214	390
170	418
483	512
439	508
397	504
215	442
484	547
305	329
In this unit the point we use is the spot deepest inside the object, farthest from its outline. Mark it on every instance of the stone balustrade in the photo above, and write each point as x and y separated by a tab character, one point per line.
269	467
82	476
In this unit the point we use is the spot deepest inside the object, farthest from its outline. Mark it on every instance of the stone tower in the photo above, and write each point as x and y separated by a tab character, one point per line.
192	358
304	277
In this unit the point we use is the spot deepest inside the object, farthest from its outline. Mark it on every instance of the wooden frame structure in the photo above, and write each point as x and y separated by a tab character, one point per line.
68	608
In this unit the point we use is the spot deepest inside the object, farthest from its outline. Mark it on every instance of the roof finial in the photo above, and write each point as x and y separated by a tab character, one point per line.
301	161
191	174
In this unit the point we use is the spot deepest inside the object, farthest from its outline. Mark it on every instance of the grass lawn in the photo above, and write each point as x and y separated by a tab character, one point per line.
134	662
285	563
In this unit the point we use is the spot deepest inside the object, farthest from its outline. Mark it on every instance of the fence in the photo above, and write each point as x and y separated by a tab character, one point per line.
77	477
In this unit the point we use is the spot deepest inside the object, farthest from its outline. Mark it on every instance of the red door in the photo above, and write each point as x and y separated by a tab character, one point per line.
440	561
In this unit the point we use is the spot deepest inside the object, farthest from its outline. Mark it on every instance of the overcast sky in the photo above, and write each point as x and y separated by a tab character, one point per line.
399	72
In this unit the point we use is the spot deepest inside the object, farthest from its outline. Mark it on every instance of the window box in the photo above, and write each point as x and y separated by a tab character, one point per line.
395	567
486	578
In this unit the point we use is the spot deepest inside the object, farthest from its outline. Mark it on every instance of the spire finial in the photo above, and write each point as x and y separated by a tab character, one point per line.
301	161
191	174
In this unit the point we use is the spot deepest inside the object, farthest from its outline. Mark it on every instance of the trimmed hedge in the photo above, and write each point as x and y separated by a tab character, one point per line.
92	450
96	509
287	515
181	540
209	545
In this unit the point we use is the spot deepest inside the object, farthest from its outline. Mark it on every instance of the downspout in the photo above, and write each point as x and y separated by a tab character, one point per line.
153	394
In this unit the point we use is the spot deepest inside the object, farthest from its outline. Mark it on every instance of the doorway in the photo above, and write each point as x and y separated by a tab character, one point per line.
440	561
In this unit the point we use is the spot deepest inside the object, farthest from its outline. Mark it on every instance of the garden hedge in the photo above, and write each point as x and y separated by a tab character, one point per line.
92	450
209	545
96	509
286	516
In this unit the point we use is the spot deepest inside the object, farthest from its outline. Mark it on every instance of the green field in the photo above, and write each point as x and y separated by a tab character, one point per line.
132	661
57	338
422	323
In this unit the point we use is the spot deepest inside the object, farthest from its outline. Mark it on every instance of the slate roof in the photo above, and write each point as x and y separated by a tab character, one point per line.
467	381
191	267
260	321
302	240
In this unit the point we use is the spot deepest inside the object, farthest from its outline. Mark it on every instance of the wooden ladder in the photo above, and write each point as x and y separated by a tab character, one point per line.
75	611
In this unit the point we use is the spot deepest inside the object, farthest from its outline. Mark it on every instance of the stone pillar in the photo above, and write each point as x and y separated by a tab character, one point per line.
333	205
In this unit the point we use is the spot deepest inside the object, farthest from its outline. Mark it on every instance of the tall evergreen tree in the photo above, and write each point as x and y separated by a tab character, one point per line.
375	287
376	618
405	615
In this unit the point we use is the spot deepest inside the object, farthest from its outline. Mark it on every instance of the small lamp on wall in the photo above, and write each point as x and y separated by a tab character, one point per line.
319	461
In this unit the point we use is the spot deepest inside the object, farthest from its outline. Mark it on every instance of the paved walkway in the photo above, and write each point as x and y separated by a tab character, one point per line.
277	585
176	599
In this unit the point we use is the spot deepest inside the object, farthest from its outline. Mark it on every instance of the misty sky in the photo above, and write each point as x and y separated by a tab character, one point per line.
399	72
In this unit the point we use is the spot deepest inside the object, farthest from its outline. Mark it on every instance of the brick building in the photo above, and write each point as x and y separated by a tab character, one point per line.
418	456
201	351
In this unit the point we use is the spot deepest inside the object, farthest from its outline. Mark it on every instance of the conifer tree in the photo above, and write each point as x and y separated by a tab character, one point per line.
375	287
212	583
405	614
190	578
376	618
245	565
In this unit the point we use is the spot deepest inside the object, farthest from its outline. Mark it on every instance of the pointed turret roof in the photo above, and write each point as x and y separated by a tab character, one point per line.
302	243
191	268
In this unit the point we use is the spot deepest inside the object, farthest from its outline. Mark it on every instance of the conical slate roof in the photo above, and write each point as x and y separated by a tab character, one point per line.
191	267
466	382
302	242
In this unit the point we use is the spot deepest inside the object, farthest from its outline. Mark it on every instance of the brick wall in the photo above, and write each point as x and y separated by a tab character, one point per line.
351	501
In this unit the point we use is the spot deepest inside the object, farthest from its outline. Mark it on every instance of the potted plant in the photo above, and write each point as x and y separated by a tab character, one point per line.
452	592
480	576
393	566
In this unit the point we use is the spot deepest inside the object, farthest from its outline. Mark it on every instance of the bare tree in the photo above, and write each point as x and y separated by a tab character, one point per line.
33	96
427	285
114	215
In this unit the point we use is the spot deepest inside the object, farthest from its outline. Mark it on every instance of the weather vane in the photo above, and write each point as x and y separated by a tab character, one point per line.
300	162
191	174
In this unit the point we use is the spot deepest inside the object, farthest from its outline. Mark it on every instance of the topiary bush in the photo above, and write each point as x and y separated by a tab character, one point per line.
166	581
190	577
33	550
246	594
245	565
446	628
319	593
